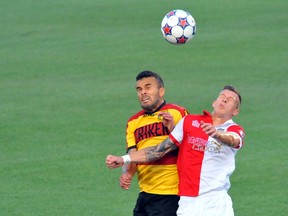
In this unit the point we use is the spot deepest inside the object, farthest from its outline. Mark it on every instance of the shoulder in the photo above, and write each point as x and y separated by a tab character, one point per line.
196	119
231	126
136	115
176	107
236	128
202	116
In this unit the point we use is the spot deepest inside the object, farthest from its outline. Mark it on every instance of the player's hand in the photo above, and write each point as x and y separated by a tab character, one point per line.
208	128
167	120
114	161
125	181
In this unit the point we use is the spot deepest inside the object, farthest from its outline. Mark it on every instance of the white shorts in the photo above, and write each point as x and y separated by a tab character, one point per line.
211	204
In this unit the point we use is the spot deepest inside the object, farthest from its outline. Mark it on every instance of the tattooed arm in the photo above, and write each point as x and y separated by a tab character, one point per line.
153	153
144	155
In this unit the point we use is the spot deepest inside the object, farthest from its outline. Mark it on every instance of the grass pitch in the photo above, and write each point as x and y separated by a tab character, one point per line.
67	88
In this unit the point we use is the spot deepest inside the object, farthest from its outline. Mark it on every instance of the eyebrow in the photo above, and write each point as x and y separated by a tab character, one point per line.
148	84
231	88
223	94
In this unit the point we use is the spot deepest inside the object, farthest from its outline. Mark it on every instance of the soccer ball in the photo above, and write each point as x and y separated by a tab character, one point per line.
178	26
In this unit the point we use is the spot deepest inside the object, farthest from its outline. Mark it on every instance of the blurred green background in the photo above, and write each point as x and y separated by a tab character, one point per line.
67	78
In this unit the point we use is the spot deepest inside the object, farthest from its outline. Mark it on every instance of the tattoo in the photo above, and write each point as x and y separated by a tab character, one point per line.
158	151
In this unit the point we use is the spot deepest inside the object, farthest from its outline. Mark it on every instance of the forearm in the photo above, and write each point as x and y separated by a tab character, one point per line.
141	155
130	169
228	138
153	153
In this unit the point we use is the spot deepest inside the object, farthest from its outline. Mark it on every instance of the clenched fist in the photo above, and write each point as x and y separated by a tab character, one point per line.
114	161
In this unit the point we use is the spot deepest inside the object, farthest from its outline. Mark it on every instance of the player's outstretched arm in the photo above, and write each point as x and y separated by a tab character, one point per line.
145	155
156	152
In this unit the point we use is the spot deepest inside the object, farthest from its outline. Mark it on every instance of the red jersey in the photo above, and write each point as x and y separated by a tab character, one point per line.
204	164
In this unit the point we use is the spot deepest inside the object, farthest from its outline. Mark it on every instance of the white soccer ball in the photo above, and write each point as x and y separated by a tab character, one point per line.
178	26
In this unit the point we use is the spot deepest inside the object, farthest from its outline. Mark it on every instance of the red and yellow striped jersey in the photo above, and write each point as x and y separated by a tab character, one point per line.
145	130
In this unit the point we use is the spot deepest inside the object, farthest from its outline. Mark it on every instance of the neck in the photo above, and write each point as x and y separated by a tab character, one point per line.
163	102
219	119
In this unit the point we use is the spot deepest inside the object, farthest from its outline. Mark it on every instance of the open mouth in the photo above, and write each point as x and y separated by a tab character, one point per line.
146	99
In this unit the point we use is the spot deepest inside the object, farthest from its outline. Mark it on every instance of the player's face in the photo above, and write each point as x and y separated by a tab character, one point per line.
149	93
226	104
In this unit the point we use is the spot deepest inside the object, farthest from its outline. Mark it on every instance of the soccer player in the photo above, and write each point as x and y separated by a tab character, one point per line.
158	180
207	146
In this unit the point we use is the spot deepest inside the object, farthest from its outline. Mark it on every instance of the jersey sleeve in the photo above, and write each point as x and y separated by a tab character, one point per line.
130	138
177	134
236	129
177	112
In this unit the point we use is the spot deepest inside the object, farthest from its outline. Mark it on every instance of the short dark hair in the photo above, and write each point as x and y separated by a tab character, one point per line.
147	73
233	89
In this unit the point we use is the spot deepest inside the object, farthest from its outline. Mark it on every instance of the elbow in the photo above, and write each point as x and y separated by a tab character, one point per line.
235	142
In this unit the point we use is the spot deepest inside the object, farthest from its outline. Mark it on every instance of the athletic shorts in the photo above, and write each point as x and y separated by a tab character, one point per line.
211	204
156	205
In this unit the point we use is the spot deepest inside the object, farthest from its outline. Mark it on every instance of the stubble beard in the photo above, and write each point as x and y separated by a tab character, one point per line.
152	107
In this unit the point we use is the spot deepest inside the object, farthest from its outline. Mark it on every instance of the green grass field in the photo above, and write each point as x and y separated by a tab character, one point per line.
67	76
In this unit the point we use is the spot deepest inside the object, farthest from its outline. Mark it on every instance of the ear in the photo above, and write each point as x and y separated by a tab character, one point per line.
162	92
236	112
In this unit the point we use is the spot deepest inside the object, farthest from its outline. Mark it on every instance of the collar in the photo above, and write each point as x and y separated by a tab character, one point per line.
206	113
149	113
